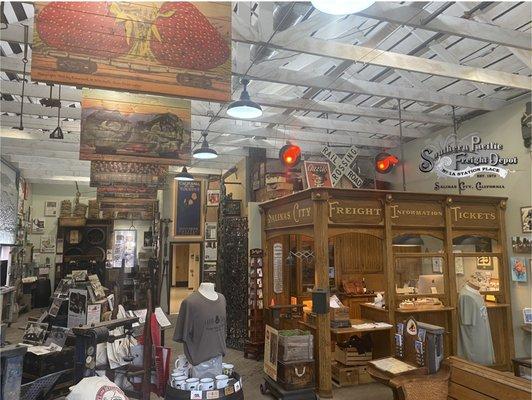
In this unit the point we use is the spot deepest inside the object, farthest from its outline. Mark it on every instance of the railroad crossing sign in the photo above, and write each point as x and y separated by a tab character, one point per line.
343	166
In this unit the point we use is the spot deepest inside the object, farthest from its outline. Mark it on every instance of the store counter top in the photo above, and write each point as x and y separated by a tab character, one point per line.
354	330
423	309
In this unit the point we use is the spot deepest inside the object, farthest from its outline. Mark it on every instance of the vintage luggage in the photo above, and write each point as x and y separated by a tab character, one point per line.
295	345
350	356
339	314
44	364
292	375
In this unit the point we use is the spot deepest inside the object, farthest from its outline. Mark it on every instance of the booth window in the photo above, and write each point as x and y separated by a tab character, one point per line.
477	258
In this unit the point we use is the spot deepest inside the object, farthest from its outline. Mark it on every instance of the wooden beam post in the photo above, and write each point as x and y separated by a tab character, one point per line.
504	276
389	269
321	273
450	287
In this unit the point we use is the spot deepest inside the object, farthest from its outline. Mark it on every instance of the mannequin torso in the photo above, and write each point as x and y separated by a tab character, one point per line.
207	290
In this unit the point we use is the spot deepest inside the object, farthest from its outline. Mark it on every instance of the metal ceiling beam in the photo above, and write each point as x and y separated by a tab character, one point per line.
369	88
416	17
366	55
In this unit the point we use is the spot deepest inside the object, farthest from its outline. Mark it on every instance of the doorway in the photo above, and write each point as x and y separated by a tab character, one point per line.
185	272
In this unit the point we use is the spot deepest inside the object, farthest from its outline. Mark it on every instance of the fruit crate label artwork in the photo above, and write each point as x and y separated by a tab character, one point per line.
134	127
113	173
175	48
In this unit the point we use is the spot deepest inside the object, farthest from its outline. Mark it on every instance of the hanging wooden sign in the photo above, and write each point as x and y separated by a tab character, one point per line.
111	173
134	127
175	48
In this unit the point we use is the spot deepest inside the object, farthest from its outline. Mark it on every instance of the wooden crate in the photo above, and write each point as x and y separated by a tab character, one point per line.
350	356
339	314
292	375
344	375
296	347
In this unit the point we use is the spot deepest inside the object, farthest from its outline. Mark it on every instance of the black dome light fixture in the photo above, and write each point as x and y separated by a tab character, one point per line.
57	133
244	108
184	175
204	152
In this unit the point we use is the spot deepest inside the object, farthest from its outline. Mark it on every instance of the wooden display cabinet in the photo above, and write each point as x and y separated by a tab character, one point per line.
361	226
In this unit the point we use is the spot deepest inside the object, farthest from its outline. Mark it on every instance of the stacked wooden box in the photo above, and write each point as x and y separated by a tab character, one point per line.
295	365
350	367
339	317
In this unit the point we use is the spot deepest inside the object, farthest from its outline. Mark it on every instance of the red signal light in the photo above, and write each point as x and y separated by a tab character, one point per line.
385	162
290	155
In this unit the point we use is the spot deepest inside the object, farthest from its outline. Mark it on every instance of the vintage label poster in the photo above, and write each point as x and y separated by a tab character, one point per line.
181	49
93	313
113	173
77	307
271	342
188	210
278	268
134	127
317	174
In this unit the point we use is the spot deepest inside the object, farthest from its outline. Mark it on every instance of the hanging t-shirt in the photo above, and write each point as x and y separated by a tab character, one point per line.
201	326
474	339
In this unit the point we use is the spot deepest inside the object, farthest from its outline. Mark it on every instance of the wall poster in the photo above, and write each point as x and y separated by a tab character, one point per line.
278	268
271	345
134	127
77	307
112	173
188	210
175	48
124	248
8	205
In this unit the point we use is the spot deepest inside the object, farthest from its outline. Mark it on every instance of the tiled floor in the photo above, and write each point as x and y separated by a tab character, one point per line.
250	370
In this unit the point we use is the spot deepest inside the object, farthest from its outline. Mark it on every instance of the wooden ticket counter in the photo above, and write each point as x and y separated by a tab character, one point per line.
416	248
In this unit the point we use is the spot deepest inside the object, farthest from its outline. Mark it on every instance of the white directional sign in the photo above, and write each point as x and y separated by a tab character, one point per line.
342	166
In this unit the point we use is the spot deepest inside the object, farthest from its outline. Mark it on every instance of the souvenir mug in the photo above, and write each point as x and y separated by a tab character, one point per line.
179	382
221	381
181	371
206	384
191	383
227	369
181	362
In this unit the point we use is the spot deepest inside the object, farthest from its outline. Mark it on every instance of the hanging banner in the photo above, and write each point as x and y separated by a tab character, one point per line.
188	210
176	48
134	127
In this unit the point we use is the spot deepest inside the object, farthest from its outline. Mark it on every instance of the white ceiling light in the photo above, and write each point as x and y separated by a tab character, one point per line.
245	107
341	7
204	152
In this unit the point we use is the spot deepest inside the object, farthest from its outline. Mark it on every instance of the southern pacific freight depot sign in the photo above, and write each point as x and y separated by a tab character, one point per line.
371	212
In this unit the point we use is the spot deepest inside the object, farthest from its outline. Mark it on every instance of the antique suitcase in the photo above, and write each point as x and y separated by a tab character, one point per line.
295	345
44	364
292	375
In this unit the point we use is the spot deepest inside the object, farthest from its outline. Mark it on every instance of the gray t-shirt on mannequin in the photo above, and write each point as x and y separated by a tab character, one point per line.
474	339
201	326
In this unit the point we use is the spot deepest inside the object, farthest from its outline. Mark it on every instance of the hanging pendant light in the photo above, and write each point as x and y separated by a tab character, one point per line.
58	132
184	175
245	107
204	152
341	7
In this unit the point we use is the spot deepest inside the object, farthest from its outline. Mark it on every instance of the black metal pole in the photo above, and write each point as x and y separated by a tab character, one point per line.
401	144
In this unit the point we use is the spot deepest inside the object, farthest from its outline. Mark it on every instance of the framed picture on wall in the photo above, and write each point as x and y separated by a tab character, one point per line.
37	226
211	230
519	270
210	251
124	248
317	174
213	197
521	244
526	219
188	220
50	208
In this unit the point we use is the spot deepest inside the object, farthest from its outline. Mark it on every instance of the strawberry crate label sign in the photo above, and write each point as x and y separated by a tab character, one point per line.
134	127
113	173
175	48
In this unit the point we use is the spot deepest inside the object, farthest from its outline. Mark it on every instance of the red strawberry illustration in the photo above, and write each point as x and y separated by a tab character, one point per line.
83	28
187	39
